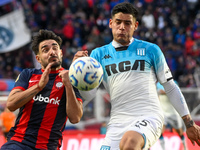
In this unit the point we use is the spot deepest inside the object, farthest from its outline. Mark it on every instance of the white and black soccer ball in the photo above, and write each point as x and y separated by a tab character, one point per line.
85	73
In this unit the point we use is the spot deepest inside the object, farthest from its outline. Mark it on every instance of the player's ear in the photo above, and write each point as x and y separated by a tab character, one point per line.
38	58
136	25
61	53
110	23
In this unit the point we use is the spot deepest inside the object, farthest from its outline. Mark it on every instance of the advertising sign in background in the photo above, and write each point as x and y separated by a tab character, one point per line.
93	142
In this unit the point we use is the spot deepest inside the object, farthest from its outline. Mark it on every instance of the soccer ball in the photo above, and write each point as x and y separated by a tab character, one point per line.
85	73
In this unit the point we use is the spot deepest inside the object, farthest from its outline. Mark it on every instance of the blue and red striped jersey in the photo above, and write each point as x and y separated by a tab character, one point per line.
41	121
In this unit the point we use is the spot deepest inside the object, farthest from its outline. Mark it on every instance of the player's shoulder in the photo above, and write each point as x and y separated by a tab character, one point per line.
99	52
102	48
146	43
31	71
150	48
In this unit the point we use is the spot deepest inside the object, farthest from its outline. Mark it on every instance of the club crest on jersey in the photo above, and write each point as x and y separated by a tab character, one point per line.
59	85
141	51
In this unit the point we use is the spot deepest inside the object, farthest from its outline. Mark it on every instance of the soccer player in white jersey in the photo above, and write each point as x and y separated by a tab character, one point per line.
131	69
171	117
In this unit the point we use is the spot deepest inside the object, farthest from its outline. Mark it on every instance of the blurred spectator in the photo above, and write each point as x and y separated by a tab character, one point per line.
173	25
190	81
2	66
189	43
190	64
7	120
151	35
197	33
181	70
148	20
161	21
180	37
171	61
101	22
197	74
68	32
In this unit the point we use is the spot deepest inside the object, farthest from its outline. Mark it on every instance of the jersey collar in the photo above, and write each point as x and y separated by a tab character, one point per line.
116	44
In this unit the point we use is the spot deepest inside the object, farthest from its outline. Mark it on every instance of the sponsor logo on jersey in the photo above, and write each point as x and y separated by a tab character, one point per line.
125	66
141	51
40	98
104	147
107	57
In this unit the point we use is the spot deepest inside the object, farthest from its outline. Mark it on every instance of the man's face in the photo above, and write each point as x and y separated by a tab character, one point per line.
123	27
49	51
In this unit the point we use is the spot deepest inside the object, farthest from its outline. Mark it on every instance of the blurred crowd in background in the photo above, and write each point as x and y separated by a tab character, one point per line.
83	24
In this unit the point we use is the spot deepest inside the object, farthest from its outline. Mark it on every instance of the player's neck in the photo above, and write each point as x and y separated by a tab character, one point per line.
117	44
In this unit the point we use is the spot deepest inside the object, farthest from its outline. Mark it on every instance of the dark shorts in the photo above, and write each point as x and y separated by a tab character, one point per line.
14	145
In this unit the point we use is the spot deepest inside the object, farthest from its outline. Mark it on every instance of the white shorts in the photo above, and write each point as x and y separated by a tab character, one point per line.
150	127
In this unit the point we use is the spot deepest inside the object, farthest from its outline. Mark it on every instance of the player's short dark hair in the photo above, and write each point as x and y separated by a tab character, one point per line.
126	8
44	35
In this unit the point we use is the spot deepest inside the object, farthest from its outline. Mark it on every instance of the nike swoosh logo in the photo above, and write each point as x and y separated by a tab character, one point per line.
30	81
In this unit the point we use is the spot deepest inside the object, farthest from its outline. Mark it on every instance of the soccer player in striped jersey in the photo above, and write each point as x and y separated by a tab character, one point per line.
131	69
45	98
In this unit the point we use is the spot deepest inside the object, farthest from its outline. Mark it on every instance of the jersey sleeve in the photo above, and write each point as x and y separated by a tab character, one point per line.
94	54
161	68
22	80
78	95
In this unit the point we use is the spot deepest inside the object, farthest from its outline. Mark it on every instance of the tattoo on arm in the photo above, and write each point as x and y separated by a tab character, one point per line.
188	122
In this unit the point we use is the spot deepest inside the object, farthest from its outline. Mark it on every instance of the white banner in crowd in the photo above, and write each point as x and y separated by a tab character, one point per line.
13	31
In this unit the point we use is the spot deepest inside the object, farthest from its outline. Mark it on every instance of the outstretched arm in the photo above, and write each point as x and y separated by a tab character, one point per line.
178	101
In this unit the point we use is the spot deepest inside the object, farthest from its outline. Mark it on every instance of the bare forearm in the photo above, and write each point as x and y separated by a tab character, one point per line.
73	106
18	98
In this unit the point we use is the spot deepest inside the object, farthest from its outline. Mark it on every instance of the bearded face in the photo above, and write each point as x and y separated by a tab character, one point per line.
49	51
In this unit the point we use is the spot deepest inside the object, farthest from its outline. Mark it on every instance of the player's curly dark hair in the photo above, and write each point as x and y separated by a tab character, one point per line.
44	35
126	8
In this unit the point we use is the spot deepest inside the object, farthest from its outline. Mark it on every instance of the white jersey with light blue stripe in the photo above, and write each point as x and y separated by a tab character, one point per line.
130	76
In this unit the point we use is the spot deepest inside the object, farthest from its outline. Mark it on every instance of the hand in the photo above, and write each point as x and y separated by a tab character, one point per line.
65	77
45	76
193	133
80	54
